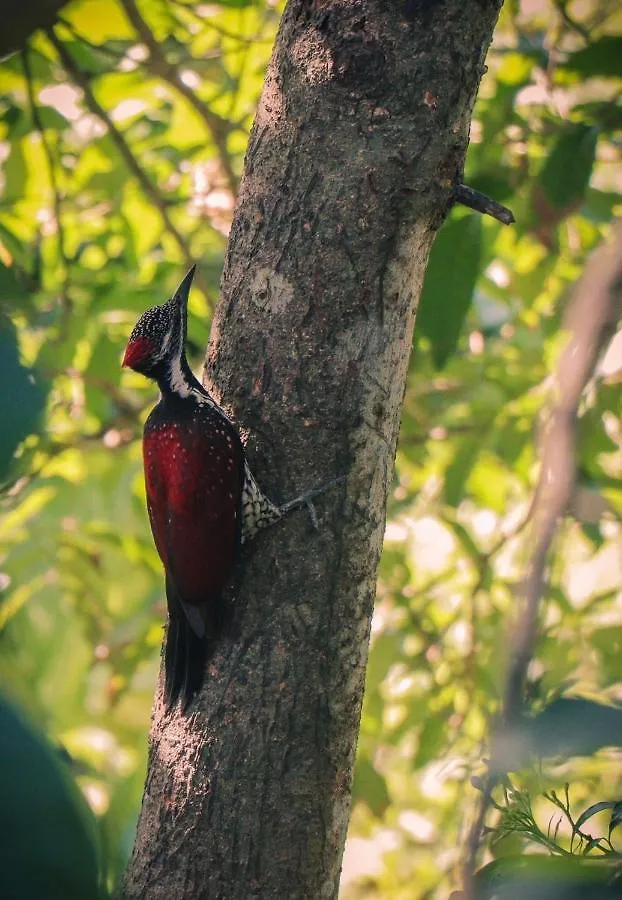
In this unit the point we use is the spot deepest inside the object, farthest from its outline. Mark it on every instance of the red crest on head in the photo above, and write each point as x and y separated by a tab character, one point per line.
137	351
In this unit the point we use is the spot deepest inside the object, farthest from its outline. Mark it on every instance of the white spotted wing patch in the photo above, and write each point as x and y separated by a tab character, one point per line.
257	510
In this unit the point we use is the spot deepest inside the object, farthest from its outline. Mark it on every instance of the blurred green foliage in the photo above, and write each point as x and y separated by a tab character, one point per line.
49	839
119	151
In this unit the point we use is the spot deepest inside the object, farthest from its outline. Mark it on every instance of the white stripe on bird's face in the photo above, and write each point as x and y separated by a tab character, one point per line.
177	379
172	349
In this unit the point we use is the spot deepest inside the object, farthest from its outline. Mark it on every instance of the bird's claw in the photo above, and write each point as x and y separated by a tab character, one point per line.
312	513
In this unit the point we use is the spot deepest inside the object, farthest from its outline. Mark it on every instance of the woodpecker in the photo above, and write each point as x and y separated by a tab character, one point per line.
202	499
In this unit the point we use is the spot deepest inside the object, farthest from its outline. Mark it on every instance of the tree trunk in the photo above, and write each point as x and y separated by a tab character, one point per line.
359	138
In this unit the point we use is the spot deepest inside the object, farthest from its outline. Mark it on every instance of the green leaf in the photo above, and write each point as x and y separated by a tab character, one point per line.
466	453
99	19
608	641
601	204
593	810
431	740
530	877
488	482
606	115
87	58
616	816
593	533
566	173
385	650
48	847
449	284
497	183
15	173
574	726
103	374
370	787
601	57
515	69
144	221
39	65
12	291
12	243
52	119
21	401
49	118
11	116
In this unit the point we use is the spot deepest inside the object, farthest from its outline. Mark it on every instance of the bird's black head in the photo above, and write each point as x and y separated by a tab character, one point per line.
156	344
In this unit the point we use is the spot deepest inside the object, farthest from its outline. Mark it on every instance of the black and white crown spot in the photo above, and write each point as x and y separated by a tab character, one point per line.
154	323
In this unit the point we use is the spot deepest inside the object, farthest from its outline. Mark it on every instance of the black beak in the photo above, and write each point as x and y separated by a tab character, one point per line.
183	291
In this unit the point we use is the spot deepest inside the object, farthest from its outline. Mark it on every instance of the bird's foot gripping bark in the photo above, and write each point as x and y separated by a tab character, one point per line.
306	499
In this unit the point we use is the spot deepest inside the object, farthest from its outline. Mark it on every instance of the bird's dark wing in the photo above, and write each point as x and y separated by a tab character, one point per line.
185	652
193	477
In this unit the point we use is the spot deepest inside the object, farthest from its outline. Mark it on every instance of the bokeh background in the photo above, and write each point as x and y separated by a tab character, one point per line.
122	136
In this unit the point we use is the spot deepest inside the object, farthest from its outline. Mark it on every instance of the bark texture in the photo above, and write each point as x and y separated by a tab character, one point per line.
359	138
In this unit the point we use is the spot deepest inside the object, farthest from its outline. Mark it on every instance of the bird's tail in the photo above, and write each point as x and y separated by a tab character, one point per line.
185	651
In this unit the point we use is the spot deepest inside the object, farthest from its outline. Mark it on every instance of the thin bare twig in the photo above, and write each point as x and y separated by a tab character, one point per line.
571	22
481	203
595	306
56	194
123	147
159	65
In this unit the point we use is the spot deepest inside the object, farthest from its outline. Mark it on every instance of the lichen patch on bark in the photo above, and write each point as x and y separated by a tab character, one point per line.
271	291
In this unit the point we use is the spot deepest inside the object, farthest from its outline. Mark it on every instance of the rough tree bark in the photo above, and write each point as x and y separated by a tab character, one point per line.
359	139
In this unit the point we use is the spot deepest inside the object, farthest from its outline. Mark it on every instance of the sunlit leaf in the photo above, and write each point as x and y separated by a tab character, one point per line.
608	641
143	219
14	169
101	20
